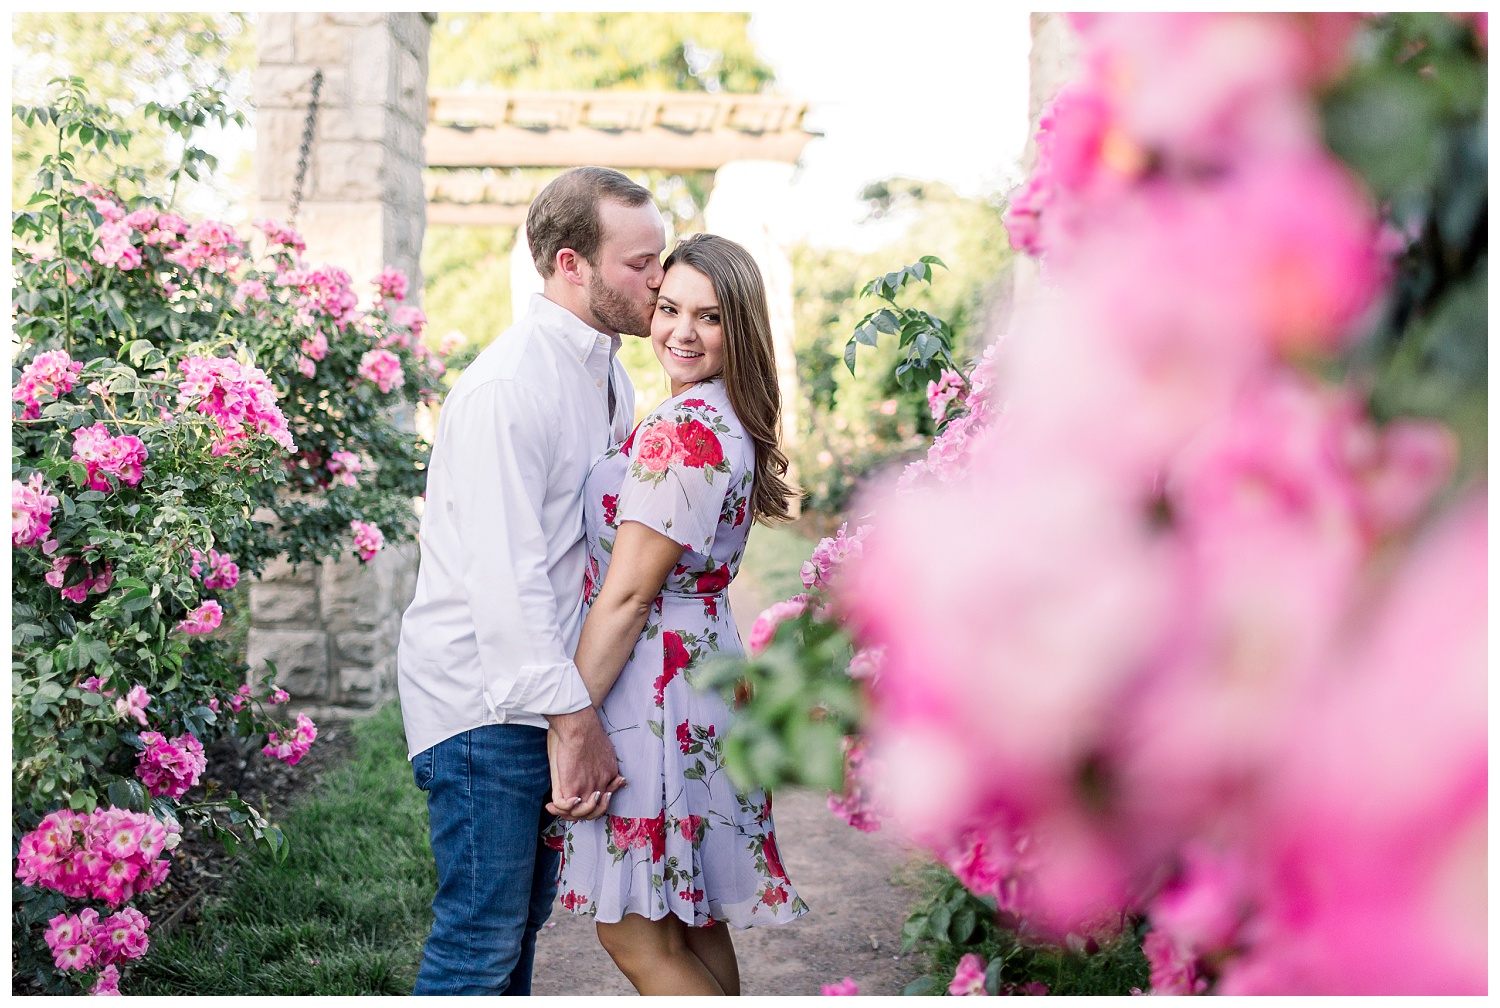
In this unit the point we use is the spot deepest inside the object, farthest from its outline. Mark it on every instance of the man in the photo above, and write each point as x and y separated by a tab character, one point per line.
485	660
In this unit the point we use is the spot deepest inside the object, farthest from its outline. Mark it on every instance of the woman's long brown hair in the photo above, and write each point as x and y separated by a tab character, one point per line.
749	361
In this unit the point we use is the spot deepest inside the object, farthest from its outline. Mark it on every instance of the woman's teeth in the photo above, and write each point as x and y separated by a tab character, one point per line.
684	354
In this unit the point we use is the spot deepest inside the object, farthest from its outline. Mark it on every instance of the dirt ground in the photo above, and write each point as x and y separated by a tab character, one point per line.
852	882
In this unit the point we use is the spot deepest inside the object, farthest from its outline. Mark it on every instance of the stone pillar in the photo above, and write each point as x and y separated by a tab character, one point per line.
331	628
736	209
1054	62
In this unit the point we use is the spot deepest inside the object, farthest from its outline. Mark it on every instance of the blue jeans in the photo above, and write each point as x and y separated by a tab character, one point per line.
487	789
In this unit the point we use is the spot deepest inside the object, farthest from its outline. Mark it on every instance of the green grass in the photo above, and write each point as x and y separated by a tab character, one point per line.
347	912
773	563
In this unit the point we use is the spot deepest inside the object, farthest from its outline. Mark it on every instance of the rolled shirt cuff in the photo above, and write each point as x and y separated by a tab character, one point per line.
546	689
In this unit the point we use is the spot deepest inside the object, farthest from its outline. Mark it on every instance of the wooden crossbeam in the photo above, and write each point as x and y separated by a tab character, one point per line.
675	131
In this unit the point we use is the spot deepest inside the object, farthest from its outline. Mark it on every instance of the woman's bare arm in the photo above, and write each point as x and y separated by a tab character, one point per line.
638	567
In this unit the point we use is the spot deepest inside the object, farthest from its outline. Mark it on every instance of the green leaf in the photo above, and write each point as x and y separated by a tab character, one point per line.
922	986
126	793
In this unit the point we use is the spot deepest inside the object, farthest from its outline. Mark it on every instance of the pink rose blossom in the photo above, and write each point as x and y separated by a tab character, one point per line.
98	583
450	343
280	696
1172	970
240	399
238	700
383	368
121	936
68	936
142	220
948	387
115	248
223	573
391	284
968	977
368	539
830	553
305	367
122	457
209	245
133	704
204	619
170	767
279	234
49	375
763	631
844	988
345	467
111	854
291	746
108	983
31	508
316	346
412	317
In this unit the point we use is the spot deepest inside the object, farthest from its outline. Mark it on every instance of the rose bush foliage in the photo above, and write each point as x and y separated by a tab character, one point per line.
183	410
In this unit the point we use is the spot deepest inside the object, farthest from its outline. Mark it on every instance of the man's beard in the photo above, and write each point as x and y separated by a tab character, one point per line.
616	311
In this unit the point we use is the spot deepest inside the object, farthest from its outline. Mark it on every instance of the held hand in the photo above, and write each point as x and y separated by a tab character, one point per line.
585	771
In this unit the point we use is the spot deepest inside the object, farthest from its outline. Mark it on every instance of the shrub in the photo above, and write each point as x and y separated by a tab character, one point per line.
167	386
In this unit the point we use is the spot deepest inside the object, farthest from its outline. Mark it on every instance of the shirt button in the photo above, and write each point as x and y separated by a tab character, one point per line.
599	383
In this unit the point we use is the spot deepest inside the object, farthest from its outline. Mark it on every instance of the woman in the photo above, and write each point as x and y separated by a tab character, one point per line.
681	852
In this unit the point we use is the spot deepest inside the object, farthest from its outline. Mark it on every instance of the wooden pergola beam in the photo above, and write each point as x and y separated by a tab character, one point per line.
675	131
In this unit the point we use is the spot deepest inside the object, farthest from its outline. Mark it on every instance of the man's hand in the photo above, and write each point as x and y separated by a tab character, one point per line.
585	772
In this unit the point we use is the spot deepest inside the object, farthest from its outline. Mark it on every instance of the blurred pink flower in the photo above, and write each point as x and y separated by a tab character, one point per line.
383	368
368	539
31	508
1172	970
133	704
968	977
49	375
763	631
391	284
204	619
844	988
345	467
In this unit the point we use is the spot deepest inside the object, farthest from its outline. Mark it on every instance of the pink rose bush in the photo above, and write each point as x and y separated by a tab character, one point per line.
161	399
1194	631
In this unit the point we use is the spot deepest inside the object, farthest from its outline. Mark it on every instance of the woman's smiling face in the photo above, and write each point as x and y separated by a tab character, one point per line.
687	331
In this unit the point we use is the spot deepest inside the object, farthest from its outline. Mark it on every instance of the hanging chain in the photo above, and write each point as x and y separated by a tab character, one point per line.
302	153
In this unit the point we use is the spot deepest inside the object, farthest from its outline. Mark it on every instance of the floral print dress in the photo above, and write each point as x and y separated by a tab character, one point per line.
680	838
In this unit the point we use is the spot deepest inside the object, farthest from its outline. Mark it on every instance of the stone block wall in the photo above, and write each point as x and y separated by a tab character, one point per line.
331	628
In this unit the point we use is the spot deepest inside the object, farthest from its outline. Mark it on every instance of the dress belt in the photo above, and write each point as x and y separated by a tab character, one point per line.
697	595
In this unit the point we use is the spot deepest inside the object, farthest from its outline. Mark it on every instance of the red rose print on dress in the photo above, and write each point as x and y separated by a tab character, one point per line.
773	858
739	512
684	737
629	834
625	448
610	502
554	841
675	658
689	826
573	900
659	447
715	580
773	896
690	403
699	445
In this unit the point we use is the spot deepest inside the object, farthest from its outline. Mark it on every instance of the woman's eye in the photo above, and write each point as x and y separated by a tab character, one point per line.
666	309
711	319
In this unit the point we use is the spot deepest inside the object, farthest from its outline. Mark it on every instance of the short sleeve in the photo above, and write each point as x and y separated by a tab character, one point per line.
680	472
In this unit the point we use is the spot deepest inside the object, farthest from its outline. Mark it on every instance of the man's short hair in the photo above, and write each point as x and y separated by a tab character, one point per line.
565	214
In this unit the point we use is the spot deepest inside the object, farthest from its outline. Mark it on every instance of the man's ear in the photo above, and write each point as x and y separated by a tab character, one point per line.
572	266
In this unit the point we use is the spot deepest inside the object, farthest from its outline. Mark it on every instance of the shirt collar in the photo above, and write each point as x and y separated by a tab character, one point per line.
580	337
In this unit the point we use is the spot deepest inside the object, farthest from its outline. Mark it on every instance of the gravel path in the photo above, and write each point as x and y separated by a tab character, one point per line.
851	880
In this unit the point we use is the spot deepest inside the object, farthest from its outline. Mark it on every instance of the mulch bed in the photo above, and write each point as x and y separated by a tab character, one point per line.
202	868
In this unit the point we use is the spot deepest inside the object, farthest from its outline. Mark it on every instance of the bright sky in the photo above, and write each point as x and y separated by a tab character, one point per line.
939	93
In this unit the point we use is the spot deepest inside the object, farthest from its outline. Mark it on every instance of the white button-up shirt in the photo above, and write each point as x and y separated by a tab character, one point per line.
490	633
